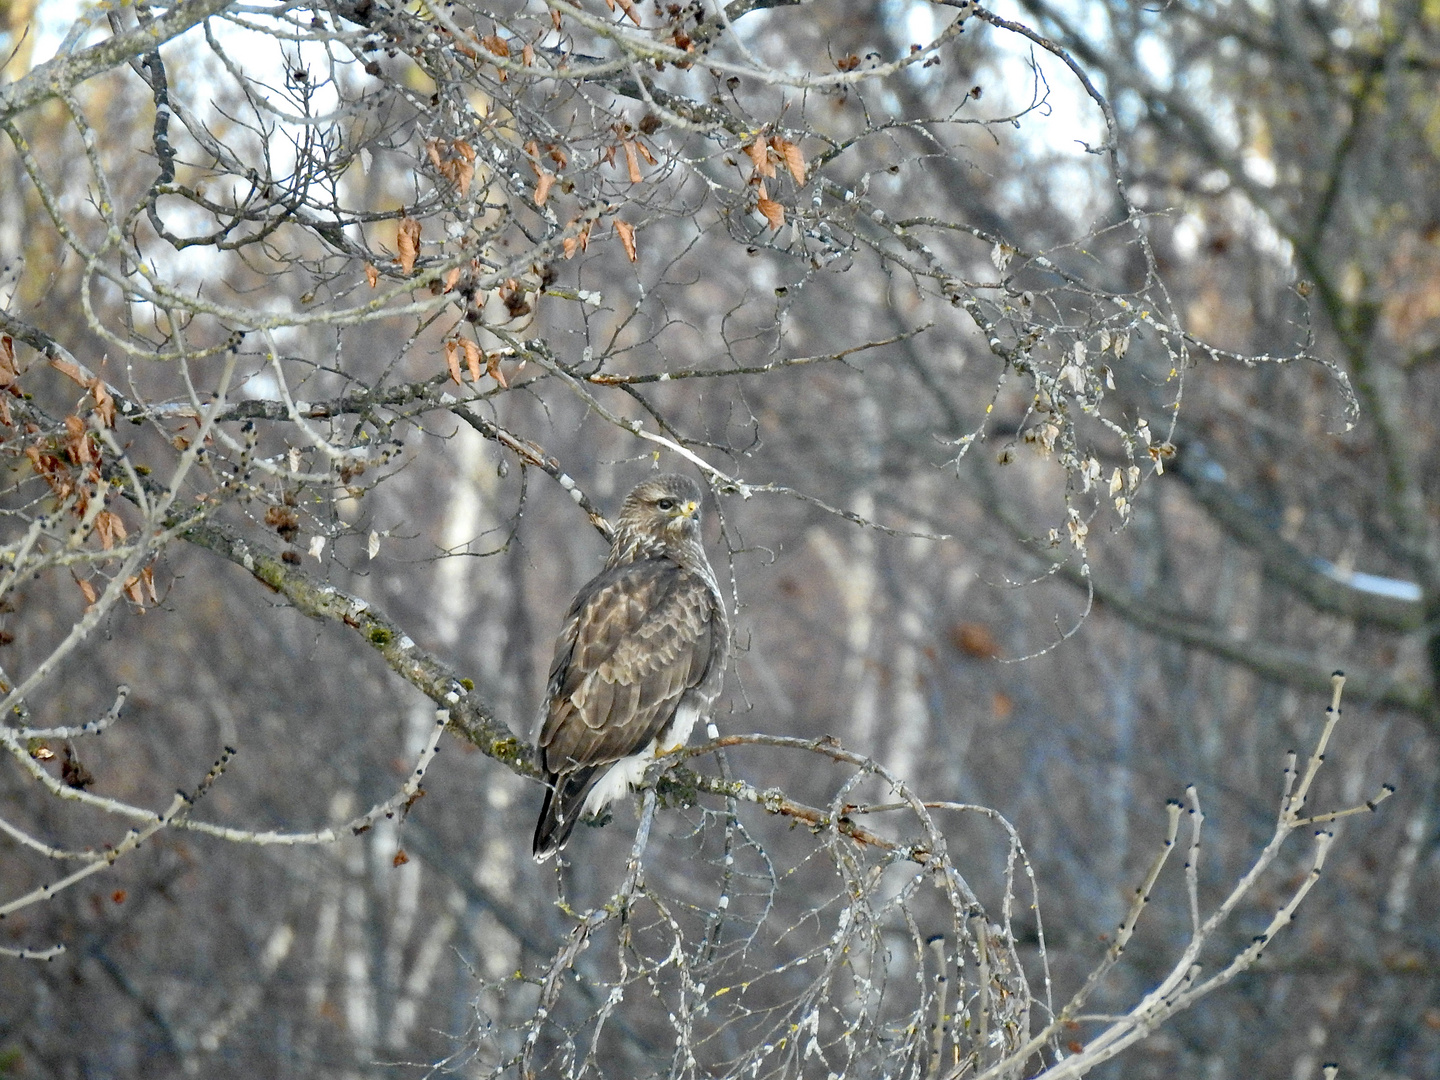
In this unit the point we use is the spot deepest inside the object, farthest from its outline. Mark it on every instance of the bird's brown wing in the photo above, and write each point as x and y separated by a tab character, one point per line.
637	637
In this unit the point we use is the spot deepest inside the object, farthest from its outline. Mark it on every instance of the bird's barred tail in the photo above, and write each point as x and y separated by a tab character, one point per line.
564	797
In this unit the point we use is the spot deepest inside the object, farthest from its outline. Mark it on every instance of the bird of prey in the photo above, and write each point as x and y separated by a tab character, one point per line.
639	659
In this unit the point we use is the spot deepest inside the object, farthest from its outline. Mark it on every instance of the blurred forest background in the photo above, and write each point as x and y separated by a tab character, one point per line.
1066	380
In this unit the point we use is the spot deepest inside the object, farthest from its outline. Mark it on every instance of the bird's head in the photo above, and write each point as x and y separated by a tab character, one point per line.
660	514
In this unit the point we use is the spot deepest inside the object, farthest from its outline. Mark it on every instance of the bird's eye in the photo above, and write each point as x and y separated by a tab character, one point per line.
665	504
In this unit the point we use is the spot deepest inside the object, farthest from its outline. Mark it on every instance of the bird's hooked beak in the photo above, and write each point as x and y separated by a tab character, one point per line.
686	513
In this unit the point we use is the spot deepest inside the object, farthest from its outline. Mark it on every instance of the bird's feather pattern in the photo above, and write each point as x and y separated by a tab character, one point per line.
638	637
644	639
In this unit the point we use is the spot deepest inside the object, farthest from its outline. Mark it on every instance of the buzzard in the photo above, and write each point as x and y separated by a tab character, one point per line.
639	659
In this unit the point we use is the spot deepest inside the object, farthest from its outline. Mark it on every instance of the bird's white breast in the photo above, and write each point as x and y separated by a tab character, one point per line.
629	771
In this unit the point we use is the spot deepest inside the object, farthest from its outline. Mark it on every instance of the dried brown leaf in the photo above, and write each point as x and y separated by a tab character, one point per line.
474	358
492	368
793	158
432	150
513	297
147	576
975	639
89	590
452	278
629	7
372	275
495	45
134	591
104	403
407	243
626	232
285	521
632	161
103	529
527	55
543	186
9	372
645	152
73	771
109	528
464	173
579	242
464	149
773	211
452	359
759	155
71	372
77	441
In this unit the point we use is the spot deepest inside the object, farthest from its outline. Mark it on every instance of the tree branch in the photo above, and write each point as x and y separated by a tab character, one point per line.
56	77
1283	561
470	718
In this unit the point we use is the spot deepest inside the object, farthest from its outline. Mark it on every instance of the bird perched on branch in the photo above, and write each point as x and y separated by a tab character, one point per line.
640	658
